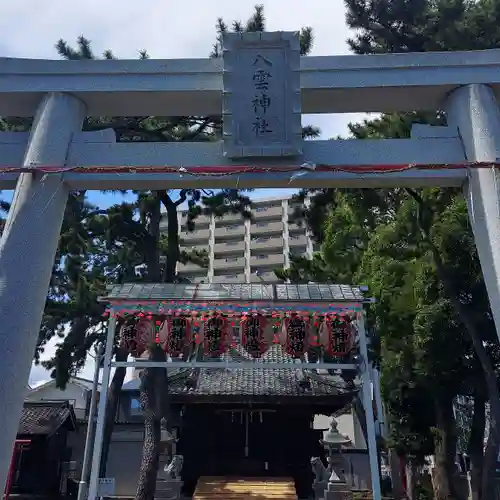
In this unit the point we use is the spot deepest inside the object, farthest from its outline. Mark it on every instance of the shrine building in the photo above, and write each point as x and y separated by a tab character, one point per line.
298	348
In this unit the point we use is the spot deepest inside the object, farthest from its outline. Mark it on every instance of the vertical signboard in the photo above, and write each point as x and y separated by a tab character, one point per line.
261	101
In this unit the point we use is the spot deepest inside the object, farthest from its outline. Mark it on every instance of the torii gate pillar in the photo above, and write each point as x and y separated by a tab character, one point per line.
474	111
27	251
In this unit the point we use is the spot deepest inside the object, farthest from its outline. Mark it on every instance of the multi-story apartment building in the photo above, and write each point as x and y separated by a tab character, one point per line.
244	251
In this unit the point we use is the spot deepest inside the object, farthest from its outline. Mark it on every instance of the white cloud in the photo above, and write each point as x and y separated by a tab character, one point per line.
167	30
39	374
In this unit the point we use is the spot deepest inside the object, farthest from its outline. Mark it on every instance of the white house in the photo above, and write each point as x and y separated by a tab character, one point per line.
78	392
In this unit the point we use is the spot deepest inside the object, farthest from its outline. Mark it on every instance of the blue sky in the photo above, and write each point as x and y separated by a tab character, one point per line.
167	30
103	200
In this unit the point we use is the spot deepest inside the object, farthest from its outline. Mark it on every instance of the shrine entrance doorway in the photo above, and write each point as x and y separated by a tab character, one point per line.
246	443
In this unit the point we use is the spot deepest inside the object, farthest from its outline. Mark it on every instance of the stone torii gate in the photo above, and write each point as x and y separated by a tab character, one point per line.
261	87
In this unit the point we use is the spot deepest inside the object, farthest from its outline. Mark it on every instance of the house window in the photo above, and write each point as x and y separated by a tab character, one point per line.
135	407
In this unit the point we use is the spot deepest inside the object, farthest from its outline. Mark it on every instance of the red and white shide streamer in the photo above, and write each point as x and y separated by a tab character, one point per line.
336	335
256	334
296	335
222	170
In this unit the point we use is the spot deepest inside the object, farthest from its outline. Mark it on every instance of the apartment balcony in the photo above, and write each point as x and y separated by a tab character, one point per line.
201	220
229	218
298	252
190	267
194	278
197	235
266	243
297	241
266	228
229	278
293	207
229	263
275	260
293	227
187	247
234	246
264	277
230	231
263	212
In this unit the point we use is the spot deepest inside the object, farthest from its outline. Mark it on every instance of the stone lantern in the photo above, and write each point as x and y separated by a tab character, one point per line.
333	441
168	481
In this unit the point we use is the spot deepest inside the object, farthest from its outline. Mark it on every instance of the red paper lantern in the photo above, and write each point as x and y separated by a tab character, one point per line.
296	335
256	334
215	335
136	336
336	336
175	335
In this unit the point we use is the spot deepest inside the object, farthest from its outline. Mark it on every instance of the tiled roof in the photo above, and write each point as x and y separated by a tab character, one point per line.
250	292
45	418
251	382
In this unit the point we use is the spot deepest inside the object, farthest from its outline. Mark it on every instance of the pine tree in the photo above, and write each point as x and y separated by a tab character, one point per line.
126	236
416	251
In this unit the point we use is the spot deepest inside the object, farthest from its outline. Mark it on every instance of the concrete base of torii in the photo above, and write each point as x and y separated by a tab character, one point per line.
27	248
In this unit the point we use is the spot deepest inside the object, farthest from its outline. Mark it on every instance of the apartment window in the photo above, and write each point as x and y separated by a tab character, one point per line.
230	276
231	259
262	224
232	243
262	239
260	257
232	227
295	237
261	209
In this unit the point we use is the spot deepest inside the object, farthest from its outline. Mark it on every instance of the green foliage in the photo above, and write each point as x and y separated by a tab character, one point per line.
422	25
101	247
404	243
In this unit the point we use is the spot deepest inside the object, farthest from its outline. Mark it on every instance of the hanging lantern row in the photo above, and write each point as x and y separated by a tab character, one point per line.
296	334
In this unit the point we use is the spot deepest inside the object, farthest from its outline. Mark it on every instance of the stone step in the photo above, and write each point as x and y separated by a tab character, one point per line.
226	488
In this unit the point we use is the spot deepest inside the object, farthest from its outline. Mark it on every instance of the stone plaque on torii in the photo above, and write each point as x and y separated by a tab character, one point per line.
261	149
261	99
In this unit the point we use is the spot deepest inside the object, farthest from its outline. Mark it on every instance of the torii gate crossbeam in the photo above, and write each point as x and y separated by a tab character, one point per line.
466	84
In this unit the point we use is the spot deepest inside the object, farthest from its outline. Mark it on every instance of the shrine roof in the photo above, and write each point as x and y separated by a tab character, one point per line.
246	383
45	418
312	292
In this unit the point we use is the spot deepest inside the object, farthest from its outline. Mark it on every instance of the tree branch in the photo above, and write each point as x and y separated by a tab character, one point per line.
182	197
479	348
